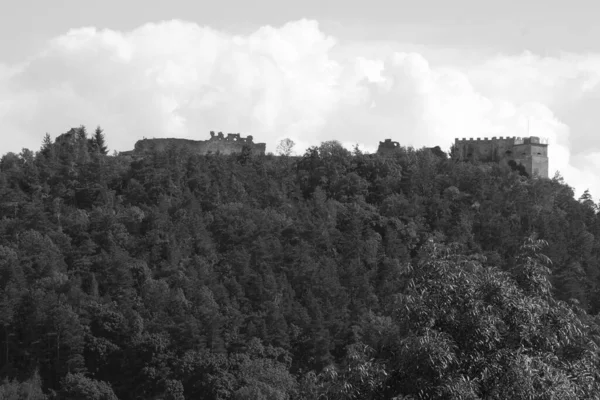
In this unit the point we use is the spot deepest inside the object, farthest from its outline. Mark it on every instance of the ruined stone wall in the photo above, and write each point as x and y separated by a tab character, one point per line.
388	147
230	144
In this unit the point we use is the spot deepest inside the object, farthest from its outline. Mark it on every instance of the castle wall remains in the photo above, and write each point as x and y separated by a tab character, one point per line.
388	147
218	143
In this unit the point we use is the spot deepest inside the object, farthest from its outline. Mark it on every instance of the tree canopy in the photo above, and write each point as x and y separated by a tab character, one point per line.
333	275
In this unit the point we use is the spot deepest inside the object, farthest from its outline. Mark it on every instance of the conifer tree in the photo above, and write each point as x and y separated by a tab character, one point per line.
46	143
98	142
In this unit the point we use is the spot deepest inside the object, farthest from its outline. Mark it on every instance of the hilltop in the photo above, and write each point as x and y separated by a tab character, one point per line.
179	275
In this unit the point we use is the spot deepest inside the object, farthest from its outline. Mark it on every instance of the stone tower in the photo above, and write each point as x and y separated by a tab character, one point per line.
388	147
531	152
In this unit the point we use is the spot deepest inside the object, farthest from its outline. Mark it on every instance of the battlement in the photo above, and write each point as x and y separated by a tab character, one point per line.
218	143
513	139
231	137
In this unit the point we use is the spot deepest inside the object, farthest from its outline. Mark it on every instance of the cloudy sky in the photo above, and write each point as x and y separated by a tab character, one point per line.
421	73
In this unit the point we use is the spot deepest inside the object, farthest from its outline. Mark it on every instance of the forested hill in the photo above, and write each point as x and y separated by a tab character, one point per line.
335	275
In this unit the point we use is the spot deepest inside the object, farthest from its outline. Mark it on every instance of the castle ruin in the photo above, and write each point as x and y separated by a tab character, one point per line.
531	152
388	147
218	143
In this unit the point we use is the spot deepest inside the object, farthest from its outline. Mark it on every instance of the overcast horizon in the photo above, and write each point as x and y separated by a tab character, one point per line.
421	75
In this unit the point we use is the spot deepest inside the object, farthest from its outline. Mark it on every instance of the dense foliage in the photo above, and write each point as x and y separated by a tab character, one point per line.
335	275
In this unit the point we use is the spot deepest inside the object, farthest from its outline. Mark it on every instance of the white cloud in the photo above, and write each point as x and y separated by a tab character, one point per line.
179	79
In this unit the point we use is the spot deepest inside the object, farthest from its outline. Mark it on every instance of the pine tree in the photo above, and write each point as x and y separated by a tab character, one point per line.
98	142
46	142
47	149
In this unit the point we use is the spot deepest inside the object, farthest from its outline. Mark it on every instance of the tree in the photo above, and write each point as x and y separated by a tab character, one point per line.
46	145
285	147
78	386
97	141
360	376
464	329
331	148
520	168
245	156
81	132
587	200
28	390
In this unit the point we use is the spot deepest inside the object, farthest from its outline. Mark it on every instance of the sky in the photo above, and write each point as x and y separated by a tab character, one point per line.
421	73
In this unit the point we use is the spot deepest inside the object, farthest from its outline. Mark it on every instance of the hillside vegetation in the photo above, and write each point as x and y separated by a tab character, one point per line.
334	275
